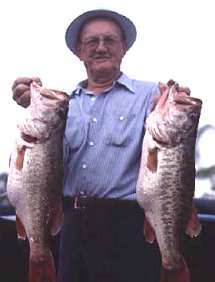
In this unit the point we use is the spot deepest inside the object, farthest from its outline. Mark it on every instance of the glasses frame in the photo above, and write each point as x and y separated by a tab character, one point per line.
109	41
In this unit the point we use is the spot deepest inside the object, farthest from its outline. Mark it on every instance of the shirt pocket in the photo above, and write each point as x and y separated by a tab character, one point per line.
121	130
74	132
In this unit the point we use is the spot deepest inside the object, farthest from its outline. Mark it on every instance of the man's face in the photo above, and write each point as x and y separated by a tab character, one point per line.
101	47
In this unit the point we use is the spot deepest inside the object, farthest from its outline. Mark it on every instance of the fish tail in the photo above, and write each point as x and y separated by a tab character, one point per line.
42	269
180	275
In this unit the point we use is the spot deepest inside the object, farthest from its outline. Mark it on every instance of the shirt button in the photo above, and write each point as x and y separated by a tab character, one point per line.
84	166
91	143
94	119
93	99
121	118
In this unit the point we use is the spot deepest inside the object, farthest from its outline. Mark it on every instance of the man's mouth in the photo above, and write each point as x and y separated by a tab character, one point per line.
100	58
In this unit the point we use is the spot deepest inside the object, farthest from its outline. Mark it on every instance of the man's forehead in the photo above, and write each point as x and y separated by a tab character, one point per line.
104	23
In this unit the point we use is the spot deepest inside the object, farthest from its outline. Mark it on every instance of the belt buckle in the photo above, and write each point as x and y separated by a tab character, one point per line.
78	204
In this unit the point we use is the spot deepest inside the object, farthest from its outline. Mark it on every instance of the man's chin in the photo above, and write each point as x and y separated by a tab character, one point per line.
103	72
102	62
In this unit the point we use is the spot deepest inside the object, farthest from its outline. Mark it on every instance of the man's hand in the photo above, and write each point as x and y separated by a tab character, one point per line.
21	90
179	88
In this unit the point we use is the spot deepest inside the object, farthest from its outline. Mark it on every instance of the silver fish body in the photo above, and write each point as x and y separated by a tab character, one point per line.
166	181
35	179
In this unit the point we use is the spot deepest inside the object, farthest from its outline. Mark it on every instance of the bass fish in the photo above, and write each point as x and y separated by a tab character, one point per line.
35	180
166	182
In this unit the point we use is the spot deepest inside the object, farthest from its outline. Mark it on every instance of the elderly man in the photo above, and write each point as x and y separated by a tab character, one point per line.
102	235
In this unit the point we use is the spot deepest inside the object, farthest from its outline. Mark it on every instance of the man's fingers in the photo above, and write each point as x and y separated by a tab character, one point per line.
178	88
24	99
26	80
21	80
37	80
171	82
19	90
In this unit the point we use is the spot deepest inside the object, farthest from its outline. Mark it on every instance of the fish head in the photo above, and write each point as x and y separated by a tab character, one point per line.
174	117
46	114
49	105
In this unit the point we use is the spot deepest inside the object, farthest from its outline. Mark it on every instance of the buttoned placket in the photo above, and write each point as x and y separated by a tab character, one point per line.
87	105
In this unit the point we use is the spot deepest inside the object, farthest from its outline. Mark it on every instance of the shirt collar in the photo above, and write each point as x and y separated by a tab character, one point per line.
122	80
126	81
78	89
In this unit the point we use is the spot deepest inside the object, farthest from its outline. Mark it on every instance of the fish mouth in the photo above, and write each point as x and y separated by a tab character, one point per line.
54	94
183	98
51	94
180	99
186	100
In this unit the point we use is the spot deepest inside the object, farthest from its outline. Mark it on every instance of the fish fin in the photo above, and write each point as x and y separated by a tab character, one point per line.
42	269
148	232
20	158
57	219
20	229
152	161
181	275
193	227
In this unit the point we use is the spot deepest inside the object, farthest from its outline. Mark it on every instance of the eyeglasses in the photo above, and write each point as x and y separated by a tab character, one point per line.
93	42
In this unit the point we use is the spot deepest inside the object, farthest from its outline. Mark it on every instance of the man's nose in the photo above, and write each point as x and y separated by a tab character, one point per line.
101	44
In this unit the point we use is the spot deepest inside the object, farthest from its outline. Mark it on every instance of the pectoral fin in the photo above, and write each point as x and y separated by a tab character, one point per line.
193	227
149	232
57	218
152	160
20	229
20	158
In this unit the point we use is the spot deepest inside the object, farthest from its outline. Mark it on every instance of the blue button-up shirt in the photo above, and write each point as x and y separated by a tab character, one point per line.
103	139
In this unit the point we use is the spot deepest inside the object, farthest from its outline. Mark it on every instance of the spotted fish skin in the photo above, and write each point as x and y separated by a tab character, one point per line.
166	181
35	178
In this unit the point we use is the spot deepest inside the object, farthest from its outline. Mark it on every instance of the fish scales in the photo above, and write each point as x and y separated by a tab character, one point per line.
169	200
41	185
166	181
35	179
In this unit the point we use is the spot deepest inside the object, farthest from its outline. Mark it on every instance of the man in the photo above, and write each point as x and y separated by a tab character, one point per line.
102	235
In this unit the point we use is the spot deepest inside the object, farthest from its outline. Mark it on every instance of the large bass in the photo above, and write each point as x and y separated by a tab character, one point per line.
166	182
35	179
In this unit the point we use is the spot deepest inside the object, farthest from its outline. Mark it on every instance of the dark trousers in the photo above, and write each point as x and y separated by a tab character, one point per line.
106	244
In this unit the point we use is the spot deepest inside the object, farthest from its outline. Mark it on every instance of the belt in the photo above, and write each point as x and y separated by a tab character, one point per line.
83	202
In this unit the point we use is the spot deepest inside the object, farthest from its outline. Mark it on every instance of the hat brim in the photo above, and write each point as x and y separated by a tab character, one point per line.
126	25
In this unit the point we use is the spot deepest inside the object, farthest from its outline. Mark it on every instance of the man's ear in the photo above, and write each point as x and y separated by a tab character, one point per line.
124	49
78	51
